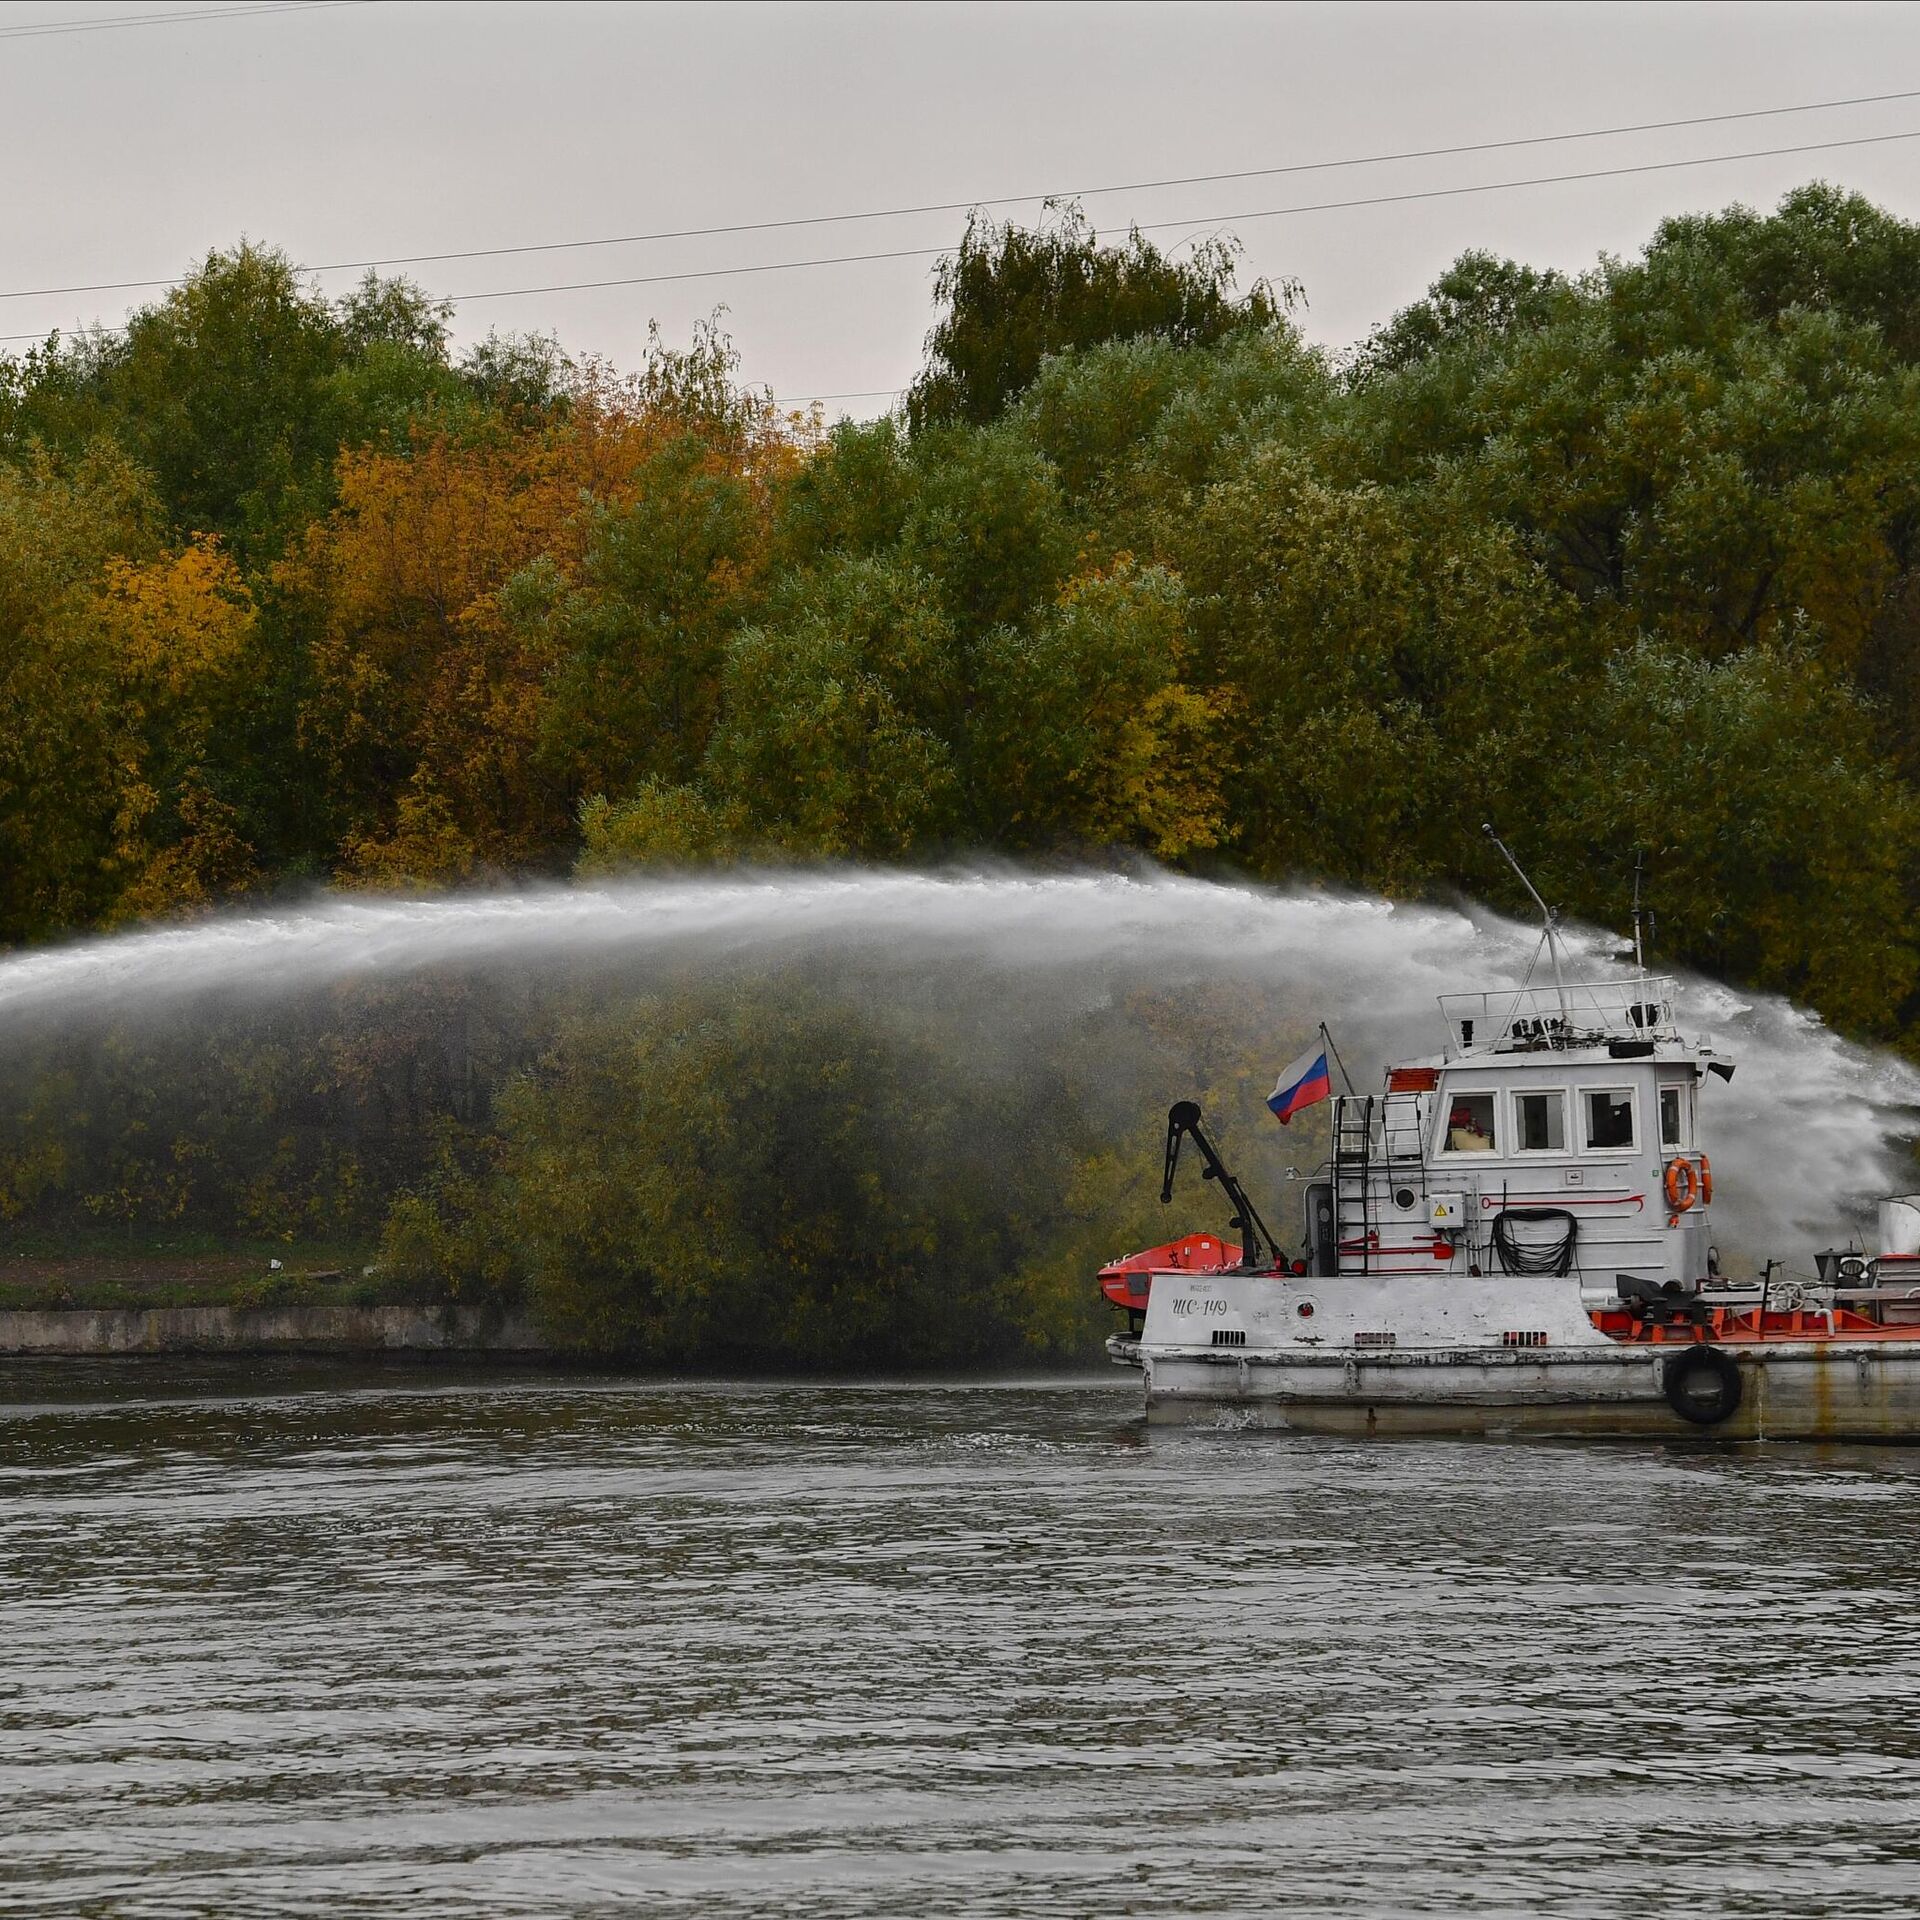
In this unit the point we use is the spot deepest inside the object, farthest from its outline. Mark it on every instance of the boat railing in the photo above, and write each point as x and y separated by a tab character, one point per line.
1576	1014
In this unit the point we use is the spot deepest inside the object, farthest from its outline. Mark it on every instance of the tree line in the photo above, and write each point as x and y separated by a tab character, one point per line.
292	593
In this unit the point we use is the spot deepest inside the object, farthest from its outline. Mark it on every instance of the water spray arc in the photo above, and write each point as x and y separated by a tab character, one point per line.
1372	968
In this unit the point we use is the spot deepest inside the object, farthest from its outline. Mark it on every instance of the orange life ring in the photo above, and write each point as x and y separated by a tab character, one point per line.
1706	1181
1683	1183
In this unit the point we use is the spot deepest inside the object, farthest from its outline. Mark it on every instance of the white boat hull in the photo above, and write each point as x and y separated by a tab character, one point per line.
1866	1390
1485	1354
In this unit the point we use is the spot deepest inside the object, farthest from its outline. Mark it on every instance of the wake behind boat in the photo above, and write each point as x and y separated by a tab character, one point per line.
1514	1234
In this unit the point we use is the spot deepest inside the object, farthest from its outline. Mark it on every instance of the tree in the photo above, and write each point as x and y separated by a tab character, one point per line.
1014	295
828	736
179	631
221	391
1822	250
1782	846
424	717
762	1173
1668	439
639	632
1479	300
70	755
1085	733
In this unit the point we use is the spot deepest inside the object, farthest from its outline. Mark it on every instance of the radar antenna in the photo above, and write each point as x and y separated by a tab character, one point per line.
1546	916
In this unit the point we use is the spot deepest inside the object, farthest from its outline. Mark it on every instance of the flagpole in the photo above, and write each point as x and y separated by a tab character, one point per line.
1335	1051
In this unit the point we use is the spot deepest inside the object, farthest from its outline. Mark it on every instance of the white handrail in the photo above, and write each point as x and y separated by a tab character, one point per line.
1640	1009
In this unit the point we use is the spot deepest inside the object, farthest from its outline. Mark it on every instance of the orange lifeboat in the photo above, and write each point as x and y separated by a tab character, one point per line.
1126	1283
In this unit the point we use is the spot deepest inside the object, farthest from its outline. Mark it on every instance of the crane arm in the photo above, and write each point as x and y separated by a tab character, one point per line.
1258	1247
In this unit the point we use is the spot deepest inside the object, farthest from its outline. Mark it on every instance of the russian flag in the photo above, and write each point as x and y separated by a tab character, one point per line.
1304	1084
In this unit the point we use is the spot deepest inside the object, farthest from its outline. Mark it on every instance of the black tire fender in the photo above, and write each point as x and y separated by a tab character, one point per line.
1703	1385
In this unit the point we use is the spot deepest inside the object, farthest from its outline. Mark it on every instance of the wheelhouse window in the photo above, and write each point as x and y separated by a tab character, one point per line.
1673	1116
1609	1118
1469	1126
1540	1122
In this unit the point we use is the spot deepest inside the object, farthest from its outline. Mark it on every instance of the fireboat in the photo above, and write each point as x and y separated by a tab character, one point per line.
1514	1235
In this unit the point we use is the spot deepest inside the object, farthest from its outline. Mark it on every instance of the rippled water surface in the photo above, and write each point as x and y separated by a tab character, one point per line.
301	1643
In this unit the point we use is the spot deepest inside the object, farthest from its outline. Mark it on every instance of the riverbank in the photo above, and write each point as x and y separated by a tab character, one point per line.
74	1299
331	1327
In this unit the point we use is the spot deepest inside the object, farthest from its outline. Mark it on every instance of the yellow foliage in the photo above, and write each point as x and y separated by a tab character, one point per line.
1159	787
177	620
424	845
174	630
1102	733
659	825
209	858
423	669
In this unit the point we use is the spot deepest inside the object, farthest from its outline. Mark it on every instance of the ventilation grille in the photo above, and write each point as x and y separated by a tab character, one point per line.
1375	1339
1222	1337
1515	1337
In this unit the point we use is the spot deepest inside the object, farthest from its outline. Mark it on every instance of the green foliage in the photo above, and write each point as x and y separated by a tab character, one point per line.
852	497
1477	301
987	525
658	824
826	734
1085	732
1141	425
666	575
262	1121
1822	250
782	1188
445	1240
1669	444
223	393
1786	847
784	1169
1014	295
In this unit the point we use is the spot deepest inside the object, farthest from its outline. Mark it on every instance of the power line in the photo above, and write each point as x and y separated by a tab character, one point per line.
1133	186
1003	200
42	29
820	399
1541	180
1258	213
1158	226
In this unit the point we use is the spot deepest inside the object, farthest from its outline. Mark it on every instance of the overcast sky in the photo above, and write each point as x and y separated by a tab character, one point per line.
347	132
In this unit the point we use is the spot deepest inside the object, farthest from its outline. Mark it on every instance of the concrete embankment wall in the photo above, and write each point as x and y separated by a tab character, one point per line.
291	1329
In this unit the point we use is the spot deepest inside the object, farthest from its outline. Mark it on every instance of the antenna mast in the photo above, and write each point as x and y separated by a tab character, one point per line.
1639	945
1546	916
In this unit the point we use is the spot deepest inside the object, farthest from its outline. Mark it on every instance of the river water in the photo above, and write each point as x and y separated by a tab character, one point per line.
299	1642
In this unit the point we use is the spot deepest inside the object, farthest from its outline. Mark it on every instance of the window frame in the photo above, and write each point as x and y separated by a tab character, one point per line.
1633	1107
1682	1093
1518	1149
1444	1108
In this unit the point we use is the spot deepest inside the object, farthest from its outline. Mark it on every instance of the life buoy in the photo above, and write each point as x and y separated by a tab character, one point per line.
1702	1385
1683	1183
1706	1181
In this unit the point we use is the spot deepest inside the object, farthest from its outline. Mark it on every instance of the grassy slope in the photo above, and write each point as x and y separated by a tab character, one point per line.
149	1269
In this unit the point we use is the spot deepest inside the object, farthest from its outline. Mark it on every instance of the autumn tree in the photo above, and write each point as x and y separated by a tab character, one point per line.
179	632
70	759
512	618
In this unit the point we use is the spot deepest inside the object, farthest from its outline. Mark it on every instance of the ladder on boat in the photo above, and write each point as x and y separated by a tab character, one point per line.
1375	1142
1353	1231
1403	1152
